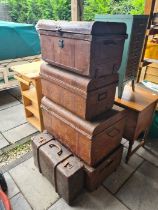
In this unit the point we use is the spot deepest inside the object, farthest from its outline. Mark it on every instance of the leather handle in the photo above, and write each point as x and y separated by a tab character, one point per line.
102	96
59	148
68	165
109	162
113	132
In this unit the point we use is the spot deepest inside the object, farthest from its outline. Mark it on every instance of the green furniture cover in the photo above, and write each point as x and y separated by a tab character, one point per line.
18	40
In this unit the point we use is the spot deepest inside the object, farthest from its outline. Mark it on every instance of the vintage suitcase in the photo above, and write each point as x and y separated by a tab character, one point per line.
59	166
95	176
92	49
85	97
91	141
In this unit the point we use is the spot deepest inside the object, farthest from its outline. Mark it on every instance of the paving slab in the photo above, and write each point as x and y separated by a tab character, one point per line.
148	155
100	199
18	202
3	142
19	133
6	100
150	152
124	171
12	187
12	117
37	190
141	190
124	141
16	93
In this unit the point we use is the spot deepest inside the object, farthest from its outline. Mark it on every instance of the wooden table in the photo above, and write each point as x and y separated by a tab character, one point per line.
30	84
140	106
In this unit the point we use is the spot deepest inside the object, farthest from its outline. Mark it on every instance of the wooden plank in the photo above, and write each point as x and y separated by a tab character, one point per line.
76	10
152	71
149	7
137	100
156	7
151	78
29	70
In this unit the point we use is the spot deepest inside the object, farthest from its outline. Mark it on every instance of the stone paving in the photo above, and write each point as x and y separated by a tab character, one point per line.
13	126
134	186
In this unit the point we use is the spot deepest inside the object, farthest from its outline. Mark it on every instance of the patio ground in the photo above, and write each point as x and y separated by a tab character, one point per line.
14	128
131	187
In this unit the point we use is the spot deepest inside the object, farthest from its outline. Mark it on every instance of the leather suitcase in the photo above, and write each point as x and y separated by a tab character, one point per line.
93	49
59	166
91	141
85	97
95	176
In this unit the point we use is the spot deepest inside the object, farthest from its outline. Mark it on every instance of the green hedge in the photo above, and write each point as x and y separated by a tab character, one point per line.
93	7
30	11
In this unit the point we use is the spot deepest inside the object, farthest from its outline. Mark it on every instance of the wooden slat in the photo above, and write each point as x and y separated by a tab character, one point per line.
29	70
137	100
149	6
76	10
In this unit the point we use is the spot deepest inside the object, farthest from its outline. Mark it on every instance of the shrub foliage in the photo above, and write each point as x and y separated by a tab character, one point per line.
30	11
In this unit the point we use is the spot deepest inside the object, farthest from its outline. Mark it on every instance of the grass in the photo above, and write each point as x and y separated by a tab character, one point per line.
15	153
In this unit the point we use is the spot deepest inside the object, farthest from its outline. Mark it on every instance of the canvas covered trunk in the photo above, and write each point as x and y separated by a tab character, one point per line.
85	97
93	49
91	141
59	166
95	176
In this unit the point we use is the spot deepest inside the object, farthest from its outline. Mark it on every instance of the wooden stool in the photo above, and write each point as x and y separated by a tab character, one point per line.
30	84
140	106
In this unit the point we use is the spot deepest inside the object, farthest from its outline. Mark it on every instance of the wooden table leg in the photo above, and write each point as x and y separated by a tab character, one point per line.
145	136
141	144
129	151
133	85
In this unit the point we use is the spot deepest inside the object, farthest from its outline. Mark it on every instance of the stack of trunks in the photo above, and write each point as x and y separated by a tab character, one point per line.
84	128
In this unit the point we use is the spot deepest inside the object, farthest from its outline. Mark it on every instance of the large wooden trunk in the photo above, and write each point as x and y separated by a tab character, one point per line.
85	97
92	49
59	166
95	176
91	141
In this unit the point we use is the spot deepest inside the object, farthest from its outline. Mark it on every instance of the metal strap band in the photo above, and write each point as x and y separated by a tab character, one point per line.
38	158
55	171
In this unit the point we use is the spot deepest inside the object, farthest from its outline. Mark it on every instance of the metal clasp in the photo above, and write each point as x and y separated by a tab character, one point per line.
61	43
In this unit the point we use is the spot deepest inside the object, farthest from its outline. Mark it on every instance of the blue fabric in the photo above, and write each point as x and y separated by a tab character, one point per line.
18	40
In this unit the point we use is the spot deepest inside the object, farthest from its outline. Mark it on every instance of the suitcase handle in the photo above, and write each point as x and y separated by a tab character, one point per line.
109	162
68	165
102	96
113	132
59	148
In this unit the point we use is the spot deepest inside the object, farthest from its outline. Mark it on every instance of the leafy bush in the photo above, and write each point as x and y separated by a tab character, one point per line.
93	7
30	11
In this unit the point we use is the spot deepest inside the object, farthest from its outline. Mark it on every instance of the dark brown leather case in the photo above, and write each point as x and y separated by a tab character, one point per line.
95	176
59	166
